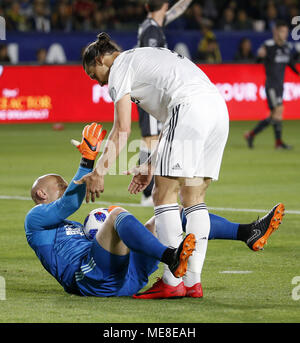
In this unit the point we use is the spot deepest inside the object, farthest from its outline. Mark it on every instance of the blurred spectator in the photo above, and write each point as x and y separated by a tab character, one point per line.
4	54
253	9
26	8
41	56
62	17
208	49
227	20
293	12
83	11
244	53
233	5
242	21
85	15
209	9
196	19
271	16
39	21
128	18
15	20
98	21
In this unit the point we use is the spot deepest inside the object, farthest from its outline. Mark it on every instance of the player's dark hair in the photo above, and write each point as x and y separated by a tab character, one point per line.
155	5
103	45
281	23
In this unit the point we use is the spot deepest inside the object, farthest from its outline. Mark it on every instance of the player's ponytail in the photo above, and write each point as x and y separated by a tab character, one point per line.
102	46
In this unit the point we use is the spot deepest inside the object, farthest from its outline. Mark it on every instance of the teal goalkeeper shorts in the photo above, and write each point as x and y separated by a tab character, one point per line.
104	274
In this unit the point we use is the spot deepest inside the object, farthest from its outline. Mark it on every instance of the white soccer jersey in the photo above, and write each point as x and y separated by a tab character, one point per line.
156	79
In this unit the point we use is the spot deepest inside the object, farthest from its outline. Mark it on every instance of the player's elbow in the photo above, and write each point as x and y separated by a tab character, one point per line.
124	128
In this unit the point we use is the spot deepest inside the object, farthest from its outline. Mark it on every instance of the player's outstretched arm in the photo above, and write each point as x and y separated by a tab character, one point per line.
177	10
116	141
92	137
54	212
142	174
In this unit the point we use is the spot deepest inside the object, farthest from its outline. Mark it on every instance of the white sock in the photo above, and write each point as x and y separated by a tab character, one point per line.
191	278
169	232
198	223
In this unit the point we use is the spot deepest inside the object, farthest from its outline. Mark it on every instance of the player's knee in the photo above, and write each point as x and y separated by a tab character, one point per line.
194	193
164	195
277	113
150	225
115	212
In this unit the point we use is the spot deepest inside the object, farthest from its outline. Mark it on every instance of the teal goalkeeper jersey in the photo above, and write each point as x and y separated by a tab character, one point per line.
60	244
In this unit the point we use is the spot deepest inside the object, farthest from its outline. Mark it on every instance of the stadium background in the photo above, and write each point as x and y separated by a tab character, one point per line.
52	32
41	80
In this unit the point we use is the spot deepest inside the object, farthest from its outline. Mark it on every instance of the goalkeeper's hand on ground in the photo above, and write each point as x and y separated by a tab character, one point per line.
92	137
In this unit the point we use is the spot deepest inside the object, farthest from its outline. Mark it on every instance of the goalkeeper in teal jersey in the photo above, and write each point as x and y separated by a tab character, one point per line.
104	266
119	260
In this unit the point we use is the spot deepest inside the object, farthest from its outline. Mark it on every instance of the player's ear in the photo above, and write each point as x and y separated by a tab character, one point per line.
99	60
41	194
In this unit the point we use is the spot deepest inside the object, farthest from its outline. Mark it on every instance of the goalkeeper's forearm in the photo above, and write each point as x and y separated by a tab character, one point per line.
177	10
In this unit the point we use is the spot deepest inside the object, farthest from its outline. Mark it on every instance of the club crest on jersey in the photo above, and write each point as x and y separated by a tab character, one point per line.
112	93
136	101
73	230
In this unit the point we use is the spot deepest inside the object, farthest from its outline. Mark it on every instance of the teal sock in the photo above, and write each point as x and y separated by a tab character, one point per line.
137	237
220	228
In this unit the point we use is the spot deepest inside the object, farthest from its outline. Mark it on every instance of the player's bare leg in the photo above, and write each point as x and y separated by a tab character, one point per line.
167	218
108	237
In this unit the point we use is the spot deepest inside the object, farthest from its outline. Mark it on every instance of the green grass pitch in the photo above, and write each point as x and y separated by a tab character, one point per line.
250	179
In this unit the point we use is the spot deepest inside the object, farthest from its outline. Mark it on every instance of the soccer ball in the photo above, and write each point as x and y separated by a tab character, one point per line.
94	222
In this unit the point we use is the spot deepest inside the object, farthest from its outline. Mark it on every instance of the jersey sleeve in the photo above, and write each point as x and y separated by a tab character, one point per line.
152	38
120	81
47	216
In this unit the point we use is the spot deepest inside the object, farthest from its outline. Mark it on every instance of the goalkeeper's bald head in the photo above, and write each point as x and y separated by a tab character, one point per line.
48	188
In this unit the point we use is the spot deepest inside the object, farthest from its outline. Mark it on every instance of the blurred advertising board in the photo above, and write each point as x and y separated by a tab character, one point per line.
64	93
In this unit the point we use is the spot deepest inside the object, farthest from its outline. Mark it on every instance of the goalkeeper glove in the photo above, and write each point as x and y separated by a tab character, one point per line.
92	137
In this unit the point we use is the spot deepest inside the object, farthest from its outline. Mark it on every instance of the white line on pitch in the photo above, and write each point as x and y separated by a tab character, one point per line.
128	204
236	272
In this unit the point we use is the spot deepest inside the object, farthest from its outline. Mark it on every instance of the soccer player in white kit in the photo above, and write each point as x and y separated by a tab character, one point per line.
188	157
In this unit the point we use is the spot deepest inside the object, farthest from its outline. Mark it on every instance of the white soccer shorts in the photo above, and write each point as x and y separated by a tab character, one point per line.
194	137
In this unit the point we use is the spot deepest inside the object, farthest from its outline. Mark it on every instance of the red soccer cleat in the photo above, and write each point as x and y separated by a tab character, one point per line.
194	291
161	290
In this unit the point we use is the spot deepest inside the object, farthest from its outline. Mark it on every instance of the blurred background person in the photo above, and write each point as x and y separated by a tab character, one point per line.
40	21
210	51
244	53
61	18
208	48
41	56
83	11
277	54
15	20
242	21
271	16
4	57
227	21
196	18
